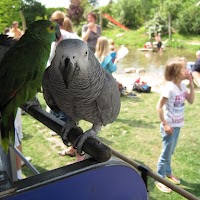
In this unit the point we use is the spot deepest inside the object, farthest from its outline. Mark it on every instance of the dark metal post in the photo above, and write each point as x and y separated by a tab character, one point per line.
8	163
144	174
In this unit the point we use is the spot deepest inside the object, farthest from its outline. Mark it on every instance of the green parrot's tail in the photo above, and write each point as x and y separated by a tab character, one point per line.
7	132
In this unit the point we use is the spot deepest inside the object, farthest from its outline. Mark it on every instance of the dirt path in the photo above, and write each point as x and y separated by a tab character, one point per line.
194	43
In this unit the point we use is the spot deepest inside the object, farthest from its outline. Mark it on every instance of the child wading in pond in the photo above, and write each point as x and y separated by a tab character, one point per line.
170	110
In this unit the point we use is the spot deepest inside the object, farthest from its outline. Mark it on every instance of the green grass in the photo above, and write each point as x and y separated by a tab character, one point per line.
135	134
137	38
130	38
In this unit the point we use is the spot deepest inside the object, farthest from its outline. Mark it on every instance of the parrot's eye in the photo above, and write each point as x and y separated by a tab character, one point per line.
73	57
51	27
86	53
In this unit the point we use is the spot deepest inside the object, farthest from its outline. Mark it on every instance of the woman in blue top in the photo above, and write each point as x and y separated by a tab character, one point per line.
103	55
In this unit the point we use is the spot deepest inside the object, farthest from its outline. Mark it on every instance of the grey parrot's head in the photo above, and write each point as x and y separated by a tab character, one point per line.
73	56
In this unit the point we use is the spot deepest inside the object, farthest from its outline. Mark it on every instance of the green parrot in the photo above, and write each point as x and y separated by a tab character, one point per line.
21	70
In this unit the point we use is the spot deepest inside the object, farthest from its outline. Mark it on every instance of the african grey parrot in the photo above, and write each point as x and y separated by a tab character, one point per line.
76	84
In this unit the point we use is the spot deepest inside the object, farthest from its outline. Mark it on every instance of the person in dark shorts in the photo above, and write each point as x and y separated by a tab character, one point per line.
159	41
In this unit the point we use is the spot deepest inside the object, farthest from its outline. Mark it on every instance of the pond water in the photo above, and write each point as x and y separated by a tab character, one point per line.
152	62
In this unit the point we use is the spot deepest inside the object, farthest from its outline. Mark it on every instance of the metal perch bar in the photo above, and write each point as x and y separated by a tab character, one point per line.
24	159
94	148
156	177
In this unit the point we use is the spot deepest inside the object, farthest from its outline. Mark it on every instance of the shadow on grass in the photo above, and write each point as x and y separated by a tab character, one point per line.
136	123
134	99
27	136
193	188
189	187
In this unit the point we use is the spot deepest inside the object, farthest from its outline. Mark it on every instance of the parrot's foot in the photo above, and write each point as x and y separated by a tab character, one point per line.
79	142
69	124
34	102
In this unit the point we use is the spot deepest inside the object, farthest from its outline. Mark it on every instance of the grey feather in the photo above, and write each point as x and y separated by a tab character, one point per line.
76	83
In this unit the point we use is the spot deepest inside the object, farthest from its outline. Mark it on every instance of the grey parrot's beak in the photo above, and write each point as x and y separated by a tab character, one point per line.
58	33
68	71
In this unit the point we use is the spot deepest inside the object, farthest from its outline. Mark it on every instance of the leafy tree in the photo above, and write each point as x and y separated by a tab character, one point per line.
9	12
189	21
172	9
33	10
129	12
157	25
108	10
87	7
75	12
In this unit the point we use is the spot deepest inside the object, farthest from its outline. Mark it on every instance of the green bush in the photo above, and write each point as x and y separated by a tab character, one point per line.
157	25
189	21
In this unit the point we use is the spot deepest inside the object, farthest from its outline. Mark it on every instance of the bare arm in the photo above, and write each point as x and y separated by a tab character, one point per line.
85	35
190	94
159	107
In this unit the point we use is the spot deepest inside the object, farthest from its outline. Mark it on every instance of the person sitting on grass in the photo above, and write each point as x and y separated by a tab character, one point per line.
195	70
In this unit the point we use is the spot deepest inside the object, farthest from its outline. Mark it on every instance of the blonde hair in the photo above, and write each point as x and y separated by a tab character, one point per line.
112	47
102	48
111	41
58	16
111	44
174	67
67	25
15	22
198	54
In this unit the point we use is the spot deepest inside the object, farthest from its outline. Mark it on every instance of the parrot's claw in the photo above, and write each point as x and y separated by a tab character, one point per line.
66	142
79	142
34	102
69	124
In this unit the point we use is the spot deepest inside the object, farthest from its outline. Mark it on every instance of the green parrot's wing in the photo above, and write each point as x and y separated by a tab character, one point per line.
17	69
21	70
19	80
24	63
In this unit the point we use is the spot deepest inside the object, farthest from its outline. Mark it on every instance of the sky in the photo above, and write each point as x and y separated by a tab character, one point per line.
64	3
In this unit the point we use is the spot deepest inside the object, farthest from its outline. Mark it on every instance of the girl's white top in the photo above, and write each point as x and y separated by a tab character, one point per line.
174	108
